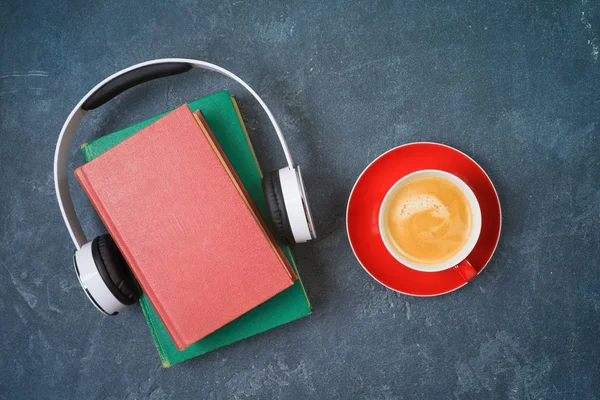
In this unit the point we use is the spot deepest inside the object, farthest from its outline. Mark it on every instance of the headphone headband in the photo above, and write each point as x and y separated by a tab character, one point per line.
104	92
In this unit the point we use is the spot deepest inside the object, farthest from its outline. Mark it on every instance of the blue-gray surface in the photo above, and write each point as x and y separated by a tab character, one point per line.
516	86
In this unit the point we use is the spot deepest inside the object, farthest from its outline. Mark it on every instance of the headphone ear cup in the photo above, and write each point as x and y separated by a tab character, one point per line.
276	206
114	270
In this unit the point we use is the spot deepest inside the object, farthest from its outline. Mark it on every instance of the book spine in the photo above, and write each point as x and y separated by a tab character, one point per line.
239	115
86	152
87	186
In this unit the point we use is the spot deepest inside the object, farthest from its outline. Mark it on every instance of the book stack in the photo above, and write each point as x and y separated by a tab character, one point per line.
181	194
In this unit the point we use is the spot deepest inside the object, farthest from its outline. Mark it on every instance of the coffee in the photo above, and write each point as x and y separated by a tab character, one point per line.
427	219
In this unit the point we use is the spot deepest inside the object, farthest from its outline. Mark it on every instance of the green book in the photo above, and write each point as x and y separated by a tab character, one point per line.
222	115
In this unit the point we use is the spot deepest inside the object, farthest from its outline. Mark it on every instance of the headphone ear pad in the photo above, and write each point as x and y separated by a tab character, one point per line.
276	206
114	270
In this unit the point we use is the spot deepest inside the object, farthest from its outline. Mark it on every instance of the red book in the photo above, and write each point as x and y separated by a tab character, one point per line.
186	226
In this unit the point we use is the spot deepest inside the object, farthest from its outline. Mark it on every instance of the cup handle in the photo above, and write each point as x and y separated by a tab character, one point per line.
466	270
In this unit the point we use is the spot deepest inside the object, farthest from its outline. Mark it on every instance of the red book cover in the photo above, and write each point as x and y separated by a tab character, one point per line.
185	226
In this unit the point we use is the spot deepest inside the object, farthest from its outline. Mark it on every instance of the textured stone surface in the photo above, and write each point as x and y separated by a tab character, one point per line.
516	86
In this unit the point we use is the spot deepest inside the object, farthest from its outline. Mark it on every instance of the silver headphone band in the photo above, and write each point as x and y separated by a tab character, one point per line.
65	139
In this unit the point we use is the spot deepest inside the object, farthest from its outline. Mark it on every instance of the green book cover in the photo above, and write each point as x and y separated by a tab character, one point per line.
222	115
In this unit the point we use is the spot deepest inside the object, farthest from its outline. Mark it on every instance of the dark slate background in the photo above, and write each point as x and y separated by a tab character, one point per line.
516	86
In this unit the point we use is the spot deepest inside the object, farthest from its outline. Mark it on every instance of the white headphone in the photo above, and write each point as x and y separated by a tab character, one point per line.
100	267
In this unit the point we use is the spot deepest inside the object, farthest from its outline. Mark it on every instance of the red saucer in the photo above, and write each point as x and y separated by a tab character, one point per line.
367	196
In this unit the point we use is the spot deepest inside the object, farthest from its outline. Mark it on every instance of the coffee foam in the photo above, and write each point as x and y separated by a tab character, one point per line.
411	205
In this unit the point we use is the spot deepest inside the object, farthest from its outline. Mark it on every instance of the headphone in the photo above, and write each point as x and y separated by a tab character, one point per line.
100	267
